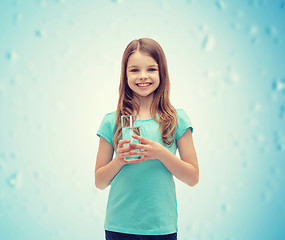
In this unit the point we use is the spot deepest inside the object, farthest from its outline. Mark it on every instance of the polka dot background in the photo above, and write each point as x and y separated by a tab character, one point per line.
59	75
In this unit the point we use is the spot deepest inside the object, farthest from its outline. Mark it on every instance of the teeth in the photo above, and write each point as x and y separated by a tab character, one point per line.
143	84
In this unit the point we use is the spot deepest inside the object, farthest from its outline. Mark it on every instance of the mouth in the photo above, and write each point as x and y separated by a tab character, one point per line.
143	85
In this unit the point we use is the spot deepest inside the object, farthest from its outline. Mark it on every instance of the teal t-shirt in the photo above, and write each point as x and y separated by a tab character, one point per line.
142	197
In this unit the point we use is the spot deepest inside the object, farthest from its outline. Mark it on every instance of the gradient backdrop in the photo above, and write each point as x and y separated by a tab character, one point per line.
59	75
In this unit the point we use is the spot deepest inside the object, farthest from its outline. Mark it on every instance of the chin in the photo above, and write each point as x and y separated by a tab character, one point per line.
143	95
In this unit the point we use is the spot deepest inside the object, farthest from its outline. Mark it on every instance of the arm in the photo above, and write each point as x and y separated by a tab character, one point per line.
106	168
185	169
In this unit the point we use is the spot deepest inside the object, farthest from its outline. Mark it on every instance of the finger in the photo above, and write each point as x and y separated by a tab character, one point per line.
135	161
127	154
138	146
126	149
123	149
144	158
141	153
136	153
122	142
141	139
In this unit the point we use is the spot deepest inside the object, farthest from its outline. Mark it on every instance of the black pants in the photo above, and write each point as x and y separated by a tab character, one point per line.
123	236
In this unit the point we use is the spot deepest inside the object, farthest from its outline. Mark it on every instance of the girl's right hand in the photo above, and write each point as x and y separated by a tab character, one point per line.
125	151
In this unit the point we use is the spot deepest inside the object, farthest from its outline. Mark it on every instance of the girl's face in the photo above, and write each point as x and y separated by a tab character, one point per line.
142	74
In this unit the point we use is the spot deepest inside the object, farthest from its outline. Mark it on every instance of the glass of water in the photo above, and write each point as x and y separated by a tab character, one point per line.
131	126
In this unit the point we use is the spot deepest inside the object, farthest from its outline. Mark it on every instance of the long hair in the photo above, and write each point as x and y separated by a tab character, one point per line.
161	104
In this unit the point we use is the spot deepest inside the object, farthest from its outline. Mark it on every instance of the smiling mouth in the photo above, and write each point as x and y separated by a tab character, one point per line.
143	84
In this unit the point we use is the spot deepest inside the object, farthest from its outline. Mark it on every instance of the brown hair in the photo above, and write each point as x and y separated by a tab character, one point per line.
161	104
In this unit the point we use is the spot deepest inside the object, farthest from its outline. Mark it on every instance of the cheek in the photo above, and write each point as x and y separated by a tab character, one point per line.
157	84
130	78
157	80
130	83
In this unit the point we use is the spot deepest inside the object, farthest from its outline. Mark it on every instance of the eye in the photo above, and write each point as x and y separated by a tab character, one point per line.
152	69
134	70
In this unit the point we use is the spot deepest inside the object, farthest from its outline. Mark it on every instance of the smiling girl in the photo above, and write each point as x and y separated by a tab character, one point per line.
142	199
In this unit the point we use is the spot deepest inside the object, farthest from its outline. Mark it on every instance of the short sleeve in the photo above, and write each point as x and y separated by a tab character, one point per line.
183	123
107	127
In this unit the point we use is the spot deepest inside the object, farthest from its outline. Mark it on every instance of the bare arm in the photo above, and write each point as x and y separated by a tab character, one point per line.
106	168
185	169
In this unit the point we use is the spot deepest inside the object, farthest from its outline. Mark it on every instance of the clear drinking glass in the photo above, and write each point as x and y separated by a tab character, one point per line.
131	126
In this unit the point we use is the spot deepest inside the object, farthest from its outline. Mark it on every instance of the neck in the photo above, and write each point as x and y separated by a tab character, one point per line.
145	104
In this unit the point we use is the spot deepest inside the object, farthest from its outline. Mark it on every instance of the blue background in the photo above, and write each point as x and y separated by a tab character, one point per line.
59	75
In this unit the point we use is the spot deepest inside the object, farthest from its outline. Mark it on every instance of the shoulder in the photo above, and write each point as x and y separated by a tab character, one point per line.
111	116
106	129
111	113
183	121
109	119
180	113
179	110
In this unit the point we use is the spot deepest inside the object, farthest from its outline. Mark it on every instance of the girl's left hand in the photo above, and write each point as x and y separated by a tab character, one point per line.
152	149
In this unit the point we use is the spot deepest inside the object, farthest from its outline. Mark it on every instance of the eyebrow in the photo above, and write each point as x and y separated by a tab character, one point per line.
137	66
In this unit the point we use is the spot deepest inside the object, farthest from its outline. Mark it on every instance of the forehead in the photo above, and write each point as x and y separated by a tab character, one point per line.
141	59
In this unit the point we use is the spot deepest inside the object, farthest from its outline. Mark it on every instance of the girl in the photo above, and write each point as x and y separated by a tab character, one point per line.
142	198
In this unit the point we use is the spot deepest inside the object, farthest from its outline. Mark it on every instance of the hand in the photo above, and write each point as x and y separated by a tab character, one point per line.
152	149
125	151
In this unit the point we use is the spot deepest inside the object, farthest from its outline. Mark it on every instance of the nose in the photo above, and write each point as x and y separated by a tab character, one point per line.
143	75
